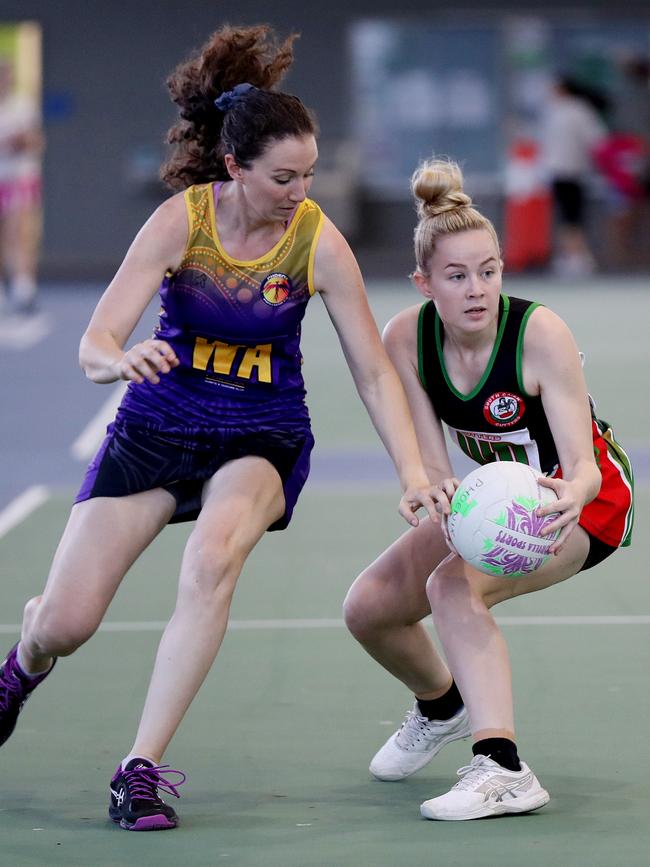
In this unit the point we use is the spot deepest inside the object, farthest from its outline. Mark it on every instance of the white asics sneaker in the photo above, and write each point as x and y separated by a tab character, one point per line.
416	743
487	789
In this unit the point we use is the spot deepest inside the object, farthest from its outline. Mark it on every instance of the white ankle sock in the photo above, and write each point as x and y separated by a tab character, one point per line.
132	756
23	289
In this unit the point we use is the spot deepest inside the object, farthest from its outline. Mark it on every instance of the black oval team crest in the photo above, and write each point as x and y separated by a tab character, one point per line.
275	289
503	409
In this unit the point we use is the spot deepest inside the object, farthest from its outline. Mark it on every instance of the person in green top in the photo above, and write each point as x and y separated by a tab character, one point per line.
505	376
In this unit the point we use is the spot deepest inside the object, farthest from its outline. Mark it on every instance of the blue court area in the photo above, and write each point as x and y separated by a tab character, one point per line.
277	744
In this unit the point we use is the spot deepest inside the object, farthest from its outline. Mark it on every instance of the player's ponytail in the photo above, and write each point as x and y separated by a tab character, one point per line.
443	207
218	116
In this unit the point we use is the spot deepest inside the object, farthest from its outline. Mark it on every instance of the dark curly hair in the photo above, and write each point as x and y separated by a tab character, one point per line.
203	134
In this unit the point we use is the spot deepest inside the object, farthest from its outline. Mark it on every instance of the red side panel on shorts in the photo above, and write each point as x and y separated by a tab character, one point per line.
610	516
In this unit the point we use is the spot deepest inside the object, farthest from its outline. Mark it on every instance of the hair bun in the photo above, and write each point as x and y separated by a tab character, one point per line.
437	186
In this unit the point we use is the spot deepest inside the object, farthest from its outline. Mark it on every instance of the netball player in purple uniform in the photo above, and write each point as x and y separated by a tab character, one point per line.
213	426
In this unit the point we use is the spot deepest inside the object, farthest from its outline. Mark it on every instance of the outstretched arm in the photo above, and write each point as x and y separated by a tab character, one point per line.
400	340
157	248
338	279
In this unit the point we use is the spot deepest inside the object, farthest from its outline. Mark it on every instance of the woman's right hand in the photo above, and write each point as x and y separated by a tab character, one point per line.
146	360
447	489
442	493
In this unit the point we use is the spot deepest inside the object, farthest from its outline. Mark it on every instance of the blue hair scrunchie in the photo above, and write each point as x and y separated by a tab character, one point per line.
229	98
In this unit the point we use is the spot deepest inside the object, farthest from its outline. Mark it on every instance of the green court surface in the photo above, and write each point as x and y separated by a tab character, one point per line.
276	746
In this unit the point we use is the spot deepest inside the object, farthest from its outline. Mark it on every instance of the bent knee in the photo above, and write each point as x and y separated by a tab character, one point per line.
447	582
211	570
52	634
360	611
375	603
452	585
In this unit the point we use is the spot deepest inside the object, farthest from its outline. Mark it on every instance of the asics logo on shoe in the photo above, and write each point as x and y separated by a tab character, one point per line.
499	790
119	796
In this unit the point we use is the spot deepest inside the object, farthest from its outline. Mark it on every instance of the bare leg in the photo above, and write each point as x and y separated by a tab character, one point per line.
22	233
575	257
241	501
386	603
103	537
460	598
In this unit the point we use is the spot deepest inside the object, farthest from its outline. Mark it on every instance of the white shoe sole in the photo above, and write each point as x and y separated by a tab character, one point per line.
491	808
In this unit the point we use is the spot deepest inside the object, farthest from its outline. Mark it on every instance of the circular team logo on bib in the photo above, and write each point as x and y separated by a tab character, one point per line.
275	289
503	409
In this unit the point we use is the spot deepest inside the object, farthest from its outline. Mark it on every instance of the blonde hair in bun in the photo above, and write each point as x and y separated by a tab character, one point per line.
443	208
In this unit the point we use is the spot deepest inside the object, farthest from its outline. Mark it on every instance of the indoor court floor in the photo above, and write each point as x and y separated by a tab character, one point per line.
277	744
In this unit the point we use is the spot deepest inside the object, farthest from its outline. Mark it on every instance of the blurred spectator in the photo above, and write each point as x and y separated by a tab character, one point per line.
631	112
624	161
622	157
21	145
572	130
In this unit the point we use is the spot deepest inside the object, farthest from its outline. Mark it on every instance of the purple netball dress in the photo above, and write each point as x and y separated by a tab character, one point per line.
238	390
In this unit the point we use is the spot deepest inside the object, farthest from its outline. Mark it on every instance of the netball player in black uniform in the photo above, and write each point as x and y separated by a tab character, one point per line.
505	376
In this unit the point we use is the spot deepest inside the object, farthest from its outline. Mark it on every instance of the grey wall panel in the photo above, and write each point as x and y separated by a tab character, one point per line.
104	67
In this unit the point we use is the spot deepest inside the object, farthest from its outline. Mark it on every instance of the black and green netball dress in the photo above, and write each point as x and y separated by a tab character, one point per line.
499	420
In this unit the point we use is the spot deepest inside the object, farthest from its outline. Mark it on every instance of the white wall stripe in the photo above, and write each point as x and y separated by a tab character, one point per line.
326	623
21	507
85	446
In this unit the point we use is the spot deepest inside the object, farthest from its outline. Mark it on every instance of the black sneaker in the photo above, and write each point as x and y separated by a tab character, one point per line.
15	689
134	796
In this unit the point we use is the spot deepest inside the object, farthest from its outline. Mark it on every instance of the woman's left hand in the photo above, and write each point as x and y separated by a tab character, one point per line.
568	505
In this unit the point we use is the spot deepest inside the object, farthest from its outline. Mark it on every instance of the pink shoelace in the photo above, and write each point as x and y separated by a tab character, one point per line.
144	782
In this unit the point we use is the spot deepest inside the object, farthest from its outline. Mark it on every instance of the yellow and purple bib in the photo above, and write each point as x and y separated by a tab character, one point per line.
234	325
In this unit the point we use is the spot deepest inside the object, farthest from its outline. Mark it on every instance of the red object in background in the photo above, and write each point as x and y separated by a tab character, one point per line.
622	158
528	209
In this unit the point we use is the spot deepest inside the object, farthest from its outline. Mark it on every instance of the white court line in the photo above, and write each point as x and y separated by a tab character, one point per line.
577	620
20	508
85	446
325	623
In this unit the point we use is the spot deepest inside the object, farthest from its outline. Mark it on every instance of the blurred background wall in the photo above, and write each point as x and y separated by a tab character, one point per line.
106	110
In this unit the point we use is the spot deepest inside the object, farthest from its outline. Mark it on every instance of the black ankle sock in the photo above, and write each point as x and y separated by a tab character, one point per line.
501	750
444	707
